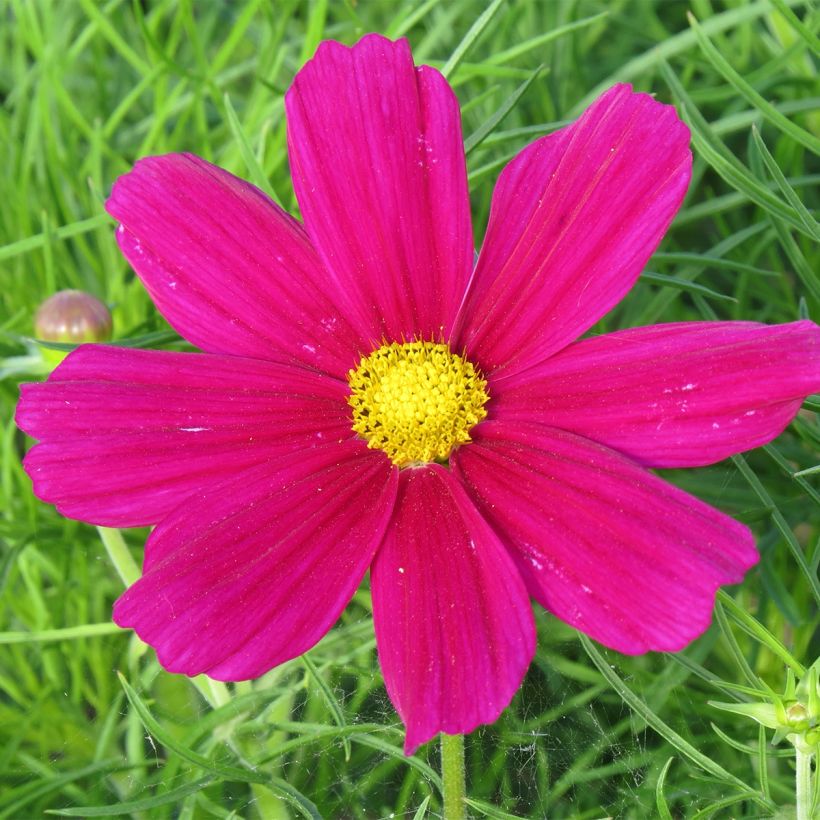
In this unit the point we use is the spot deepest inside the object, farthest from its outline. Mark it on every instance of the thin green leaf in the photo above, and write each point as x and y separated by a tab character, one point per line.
15	800
780	178
679	43
166	739
810	38
512	53
754	628
743	88
114	37
711	810
486	128
781	524
746	749
488	810
763	762
709	261
469	39
778	591
144	804
120	555
787	469
665	731
806	273
660	800
33	243
400	25
330	700
683	284
68	633
317	17
421	811
237	32
282	789
395	752
248	157
734	647
724	162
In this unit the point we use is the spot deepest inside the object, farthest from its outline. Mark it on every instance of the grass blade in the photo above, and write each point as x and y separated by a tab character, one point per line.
722	65
282	789
660	800
144	804
780	178
665	731
679	43
68	633
469	39
486	128
330	701
248	157
779	522
33	243
505	56
683	284
724	163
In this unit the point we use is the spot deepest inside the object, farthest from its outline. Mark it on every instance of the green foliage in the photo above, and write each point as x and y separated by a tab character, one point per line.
86	88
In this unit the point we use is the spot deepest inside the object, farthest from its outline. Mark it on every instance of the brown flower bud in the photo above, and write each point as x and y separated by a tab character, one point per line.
73	316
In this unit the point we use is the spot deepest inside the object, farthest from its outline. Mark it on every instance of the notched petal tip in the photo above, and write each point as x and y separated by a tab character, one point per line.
574	218
227	267
681	394
241	579
607	547
442	576
366	128
372	42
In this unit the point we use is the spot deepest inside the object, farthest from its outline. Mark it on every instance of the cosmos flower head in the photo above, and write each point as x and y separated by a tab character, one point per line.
369	398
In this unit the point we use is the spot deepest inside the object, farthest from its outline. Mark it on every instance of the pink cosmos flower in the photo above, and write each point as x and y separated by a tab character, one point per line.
368	398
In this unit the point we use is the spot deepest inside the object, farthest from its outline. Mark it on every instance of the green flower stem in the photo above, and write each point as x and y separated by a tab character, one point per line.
120	557
215	692
452	773
803	783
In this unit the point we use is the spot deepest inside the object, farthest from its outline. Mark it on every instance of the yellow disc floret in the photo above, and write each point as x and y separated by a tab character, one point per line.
416	401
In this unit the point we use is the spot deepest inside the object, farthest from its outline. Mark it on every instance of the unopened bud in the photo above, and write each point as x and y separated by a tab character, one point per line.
797	716
72	316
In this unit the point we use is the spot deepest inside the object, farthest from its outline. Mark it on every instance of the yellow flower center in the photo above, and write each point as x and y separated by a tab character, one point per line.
416	401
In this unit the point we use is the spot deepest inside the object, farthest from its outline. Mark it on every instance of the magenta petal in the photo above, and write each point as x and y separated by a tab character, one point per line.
574	218
603	544
453	621
676	395
230	270
255	571
378	168
126	435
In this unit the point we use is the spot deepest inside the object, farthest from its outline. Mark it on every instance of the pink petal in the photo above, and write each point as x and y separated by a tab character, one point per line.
574	218
453	622
253	572
378	168
603	544
230	270
676	395
128	434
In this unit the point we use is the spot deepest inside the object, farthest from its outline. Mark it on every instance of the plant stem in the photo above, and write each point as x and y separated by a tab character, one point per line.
803	784
452	773
120	557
